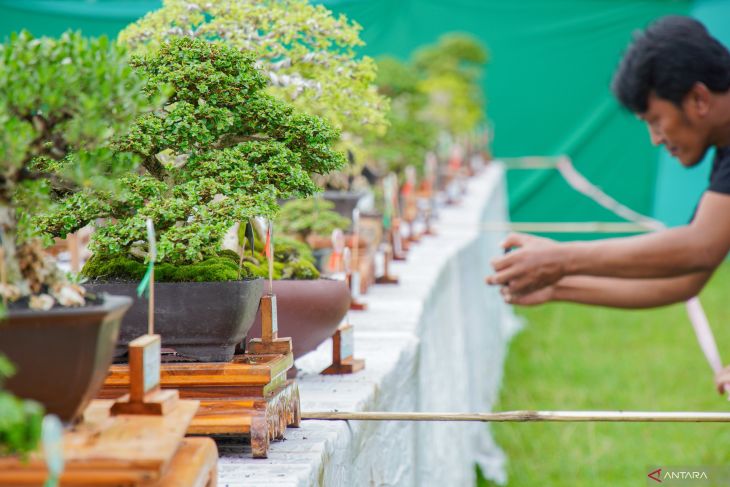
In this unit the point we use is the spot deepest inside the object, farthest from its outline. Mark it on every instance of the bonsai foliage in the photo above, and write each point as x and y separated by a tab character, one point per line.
410	135
63	101
292	260
306	53
20	420
219	152
451	70
312	216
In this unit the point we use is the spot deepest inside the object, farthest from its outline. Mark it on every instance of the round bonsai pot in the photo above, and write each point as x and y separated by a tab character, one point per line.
62	355
307	311
202	321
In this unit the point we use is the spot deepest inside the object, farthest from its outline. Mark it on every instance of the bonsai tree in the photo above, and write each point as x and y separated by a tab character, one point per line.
20	420
450	71
305	53
410	134
313	216
220	151
63	101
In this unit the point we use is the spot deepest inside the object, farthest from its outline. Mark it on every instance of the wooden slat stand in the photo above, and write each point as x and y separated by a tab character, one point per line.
248	397
343	361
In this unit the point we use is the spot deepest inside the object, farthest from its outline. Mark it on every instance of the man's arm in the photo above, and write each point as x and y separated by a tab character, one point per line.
625	293
697	247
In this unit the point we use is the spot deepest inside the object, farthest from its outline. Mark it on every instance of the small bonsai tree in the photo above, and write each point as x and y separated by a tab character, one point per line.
307	54
451	71
312	216
63	101
219	152
410	134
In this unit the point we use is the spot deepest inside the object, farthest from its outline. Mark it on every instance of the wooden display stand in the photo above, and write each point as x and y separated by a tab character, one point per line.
136	440
249	396
129	450
343	361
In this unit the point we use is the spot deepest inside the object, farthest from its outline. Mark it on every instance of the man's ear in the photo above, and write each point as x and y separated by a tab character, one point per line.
699	99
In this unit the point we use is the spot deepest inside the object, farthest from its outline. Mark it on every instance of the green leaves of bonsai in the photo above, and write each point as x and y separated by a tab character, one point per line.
63	101
219	152
307	54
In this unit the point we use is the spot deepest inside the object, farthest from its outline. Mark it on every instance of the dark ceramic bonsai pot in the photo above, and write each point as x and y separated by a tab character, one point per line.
307	311
202	321
62	355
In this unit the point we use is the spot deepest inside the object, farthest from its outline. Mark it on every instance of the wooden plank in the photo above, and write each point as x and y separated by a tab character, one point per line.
194	465
243	370
109	450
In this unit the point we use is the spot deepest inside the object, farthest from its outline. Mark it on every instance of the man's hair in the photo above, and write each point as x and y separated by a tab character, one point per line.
668	58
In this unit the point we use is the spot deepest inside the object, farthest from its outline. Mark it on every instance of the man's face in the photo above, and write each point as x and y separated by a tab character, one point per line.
680	130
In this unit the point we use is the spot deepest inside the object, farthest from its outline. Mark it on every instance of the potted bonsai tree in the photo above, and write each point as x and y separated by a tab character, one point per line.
219	152
63	101
310	220
450	72
410	134
307	56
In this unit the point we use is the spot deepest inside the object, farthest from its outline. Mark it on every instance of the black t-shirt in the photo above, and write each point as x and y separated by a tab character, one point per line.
720	175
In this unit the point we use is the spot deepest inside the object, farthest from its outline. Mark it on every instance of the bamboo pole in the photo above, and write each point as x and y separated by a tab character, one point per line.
528	416
565	227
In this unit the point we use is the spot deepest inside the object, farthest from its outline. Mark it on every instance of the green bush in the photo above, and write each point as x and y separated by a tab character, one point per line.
20	420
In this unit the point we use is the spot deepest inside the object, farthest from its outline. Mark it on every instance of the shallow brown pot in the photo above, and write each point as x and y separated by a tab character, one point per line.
307	311
202	321
62	355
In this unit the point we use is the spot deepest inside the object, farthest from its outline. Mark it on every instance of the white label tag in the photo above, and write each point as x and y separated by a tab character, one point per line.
151	366
347	342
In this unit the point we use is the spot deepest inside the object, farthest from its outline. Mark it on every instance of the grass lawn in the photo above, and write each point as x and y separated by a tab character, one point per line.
578	357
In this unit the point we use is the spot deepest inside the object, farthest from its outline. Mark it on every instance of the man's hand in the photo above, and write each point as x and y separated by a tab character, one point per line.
536	263
722	379
541	296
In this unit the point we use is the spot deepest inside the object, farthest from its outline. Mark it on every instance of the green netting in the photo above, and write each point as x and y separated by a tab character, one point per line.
547	83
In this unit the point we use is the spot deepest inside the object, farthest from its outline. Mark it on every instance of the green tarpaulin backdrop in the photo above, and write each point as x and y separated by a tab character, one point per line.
547	84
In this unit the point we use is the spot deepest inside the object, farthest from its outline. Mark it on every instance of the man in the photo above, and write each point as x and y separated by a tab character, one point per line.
676	78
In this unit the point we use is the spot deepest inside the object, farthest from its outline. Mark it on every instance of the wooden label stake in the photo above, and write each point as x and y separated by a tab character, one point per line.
354	286
386	278
269	341
145	395
343	347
